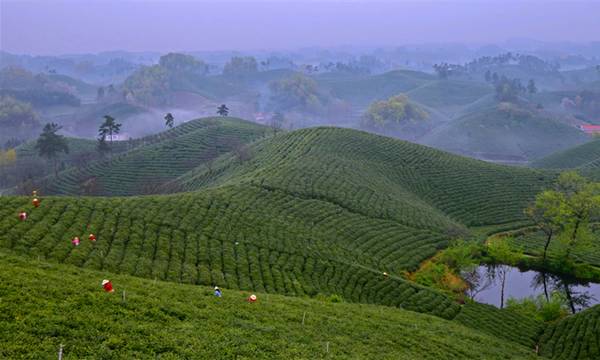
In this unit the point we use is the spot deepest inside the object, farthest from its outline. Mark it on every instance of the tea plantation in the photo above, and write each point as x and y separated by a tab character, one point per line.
45	305
315	213
156	159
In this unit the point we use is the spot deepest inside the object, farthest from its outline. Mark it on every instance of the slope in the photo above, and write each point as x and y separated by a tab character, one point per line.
505	132
384	177
361	90
157	160
574	157
45	305
449	95
576	337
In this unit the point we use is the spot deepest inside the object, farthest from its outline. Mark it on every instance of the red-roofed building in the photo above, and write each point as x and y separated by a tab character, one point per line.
590	129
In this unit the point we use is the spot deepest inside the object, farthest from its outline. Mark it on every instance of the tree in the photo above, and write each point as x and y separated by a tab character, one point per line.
566	211
102	146
109	127
169	120
241	66
223	110
298	93
488	76
581	204
50	144
100	94
545	212
277	121
531	88
397	110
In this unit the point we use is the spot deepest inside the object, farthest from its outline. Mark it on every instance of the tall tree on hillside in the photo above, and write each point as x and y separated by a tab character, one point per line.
531	88
102	146
50	144
109	128
488	76
277	121
223	110
169	120
545	212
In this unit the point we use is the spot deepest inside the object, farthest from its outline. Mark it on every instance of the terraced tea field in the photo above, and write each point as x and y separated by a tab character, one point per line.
45	305
312	213
155	160
578	156
576	337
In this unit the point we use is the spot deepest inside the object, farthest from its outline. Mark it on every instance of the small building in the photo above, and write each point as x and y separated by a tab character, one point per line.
590	129
118	137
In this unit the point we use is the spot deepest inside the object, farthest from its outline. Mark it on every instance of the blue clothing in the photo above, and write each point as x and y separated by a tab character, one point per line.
218	293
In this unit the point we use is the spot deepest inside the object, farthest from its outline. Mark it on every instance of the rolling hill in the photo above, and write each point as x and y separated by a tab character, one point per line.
45	305
298	217
578	156
315	213
449	95
160	158
505	132
361	90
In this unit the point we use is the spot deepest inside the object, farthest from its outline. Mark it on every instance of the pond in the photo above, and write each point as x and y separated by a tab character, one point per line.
488	286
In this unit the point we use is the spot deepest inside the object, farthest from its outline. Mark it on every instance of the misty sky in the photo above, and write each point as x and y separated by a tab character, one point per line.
70	26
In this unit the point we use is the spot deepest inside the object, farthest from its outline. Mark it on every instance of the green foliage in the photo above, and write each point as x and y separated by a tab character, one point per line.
241	65
16	115
460	255
501	251
505	131
175	63
502	323
575	337
297	93
50	144
539	308
148	85
571	158
394	111
155	160
45	305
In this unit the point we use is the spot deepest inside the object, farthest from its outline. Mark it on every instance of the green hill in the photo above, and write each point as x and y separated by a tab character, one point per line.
575	157
45	305
449	94
576	337
156	159
314	213
361	90
413	180
505	132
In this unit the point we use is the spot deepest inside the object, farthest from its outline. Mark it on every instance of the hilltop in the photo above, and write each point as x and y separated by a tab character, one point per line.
505	132
154	160
574	157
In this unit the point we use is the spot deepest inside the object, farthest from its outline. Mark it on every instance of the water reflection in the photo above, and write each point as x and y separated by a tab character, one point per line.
494	284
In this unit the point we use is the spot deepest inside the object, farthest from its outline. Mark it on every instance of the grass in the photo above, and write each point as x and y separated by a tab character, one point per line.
44	305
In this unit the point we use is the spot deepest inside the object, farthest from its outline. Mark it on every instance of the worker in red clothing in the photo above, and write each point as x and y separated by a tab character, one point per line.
92	238
22	216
